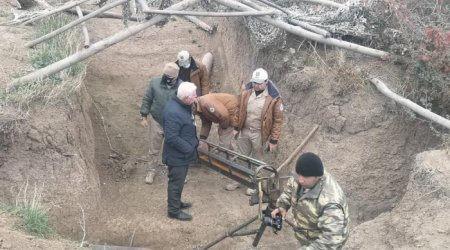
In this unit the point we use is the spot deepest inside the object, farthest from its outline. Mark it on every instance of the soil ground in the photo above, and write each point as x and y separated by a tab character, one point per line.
366	141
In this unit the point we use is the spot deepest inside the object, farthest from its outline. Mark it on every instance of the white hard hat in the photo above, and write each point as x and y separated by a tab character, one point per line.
259	76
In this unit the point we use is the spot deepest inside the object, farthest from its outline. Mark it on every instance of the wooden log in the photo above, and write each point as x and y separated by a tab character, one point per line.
409	104
299	147
326	3
308	34
207	60
96	47
87	42
74	23
214	14
57	10
275	6
204	26
105	14
310	27
144	5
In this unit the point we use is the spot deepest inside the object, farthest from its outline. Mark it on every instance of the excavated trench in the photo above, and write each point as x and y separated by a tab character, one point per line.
367	142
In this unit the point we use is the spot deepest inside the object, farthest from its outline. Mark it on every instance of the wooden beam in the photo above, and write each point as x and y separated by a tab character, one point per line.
204	26
105	14
74	23
207	60
308	34
310	27
96	47
87	42
326	3
409	104
214	14
298	149
57	10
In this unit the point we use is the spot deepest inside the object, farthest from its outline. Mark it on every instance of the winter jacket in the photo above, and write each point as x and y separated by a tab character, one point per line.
321	214
156	97
271	116
198	75
219	108
180	133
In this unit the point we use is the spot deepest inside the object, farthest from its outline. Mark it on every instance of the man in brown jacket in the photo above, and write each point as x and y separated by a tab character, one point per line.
220	108
193	71
260	118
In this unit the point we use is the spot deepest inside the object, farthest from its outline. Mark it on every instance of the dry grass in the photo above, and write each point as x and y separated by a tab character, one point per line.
56	87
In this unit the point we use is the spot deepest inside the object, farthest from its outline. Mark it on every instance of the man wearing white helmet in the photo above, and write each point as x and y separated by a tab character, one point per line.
260	118
193	71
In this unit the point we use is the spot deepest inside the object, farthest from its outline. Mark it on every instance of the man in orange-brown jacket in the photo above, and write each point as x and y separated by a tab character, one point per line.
220	108
194	71
260	118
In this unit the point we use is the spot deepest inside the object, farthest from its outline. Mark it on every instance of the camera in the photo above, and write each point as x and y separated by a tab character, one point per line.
275	223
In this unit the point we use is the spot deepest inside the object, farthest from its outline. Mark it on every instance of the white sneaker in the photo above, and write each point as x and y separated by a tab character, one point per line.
232	186
150	177
250	191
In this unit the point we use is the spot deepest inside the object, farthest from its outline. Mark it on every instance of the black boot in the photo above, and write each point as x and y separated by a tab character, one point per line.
180	216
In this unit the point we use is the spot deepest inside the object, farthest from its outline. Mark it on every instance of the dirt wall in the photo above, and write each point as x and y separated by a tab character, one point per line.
52	152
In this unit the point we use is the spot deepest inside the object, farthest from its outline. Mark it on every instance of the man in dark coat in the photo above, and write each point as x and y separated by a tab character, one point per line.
180	147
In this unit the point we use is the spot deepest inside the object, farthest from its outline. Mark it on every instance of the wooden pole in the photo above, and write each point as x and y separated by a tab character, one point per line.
207	60
74	23
297	150
326	3
57	10
308	34
200	23
97	47
87	42
105	14
409	104
144	5
214	14
275	6
310	27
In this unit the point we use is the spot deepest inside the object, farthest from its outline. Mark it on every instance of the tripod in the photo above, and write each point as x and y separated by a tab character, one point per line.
259	232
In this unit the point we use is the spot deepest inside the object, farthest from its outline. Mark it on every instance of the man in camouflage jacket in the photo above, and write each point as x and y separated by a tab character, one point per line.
318	204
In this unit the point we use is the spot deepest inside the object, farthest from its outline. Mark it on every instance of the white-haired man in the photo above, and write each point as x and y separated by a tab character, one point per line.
180	147
193	71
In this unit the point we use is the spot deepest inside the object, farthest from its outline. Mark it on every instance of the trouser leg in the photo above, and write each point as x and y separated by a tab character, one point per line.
244	142
225	137
177	175
156	139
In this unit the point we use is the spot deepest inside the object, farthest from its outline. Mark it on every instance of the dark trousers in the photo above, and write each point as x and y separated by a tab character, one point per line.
177	175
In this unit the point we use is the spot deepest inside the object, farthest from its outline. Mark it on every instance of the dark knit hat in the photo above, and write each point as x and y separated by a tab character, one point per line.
309	164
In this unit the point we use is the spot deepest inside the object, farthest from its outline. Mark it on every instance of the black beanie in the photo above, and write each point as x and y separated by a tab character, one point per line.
309	164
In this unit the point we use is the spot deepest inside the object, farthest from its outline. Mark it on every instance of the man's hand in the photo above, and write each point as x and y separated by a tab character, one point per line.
272	147
279	210
144	122
202	145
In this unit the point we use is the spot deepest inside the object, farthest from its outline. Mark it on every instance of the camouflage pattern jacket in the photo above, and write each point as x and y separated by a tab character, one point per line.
321	214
